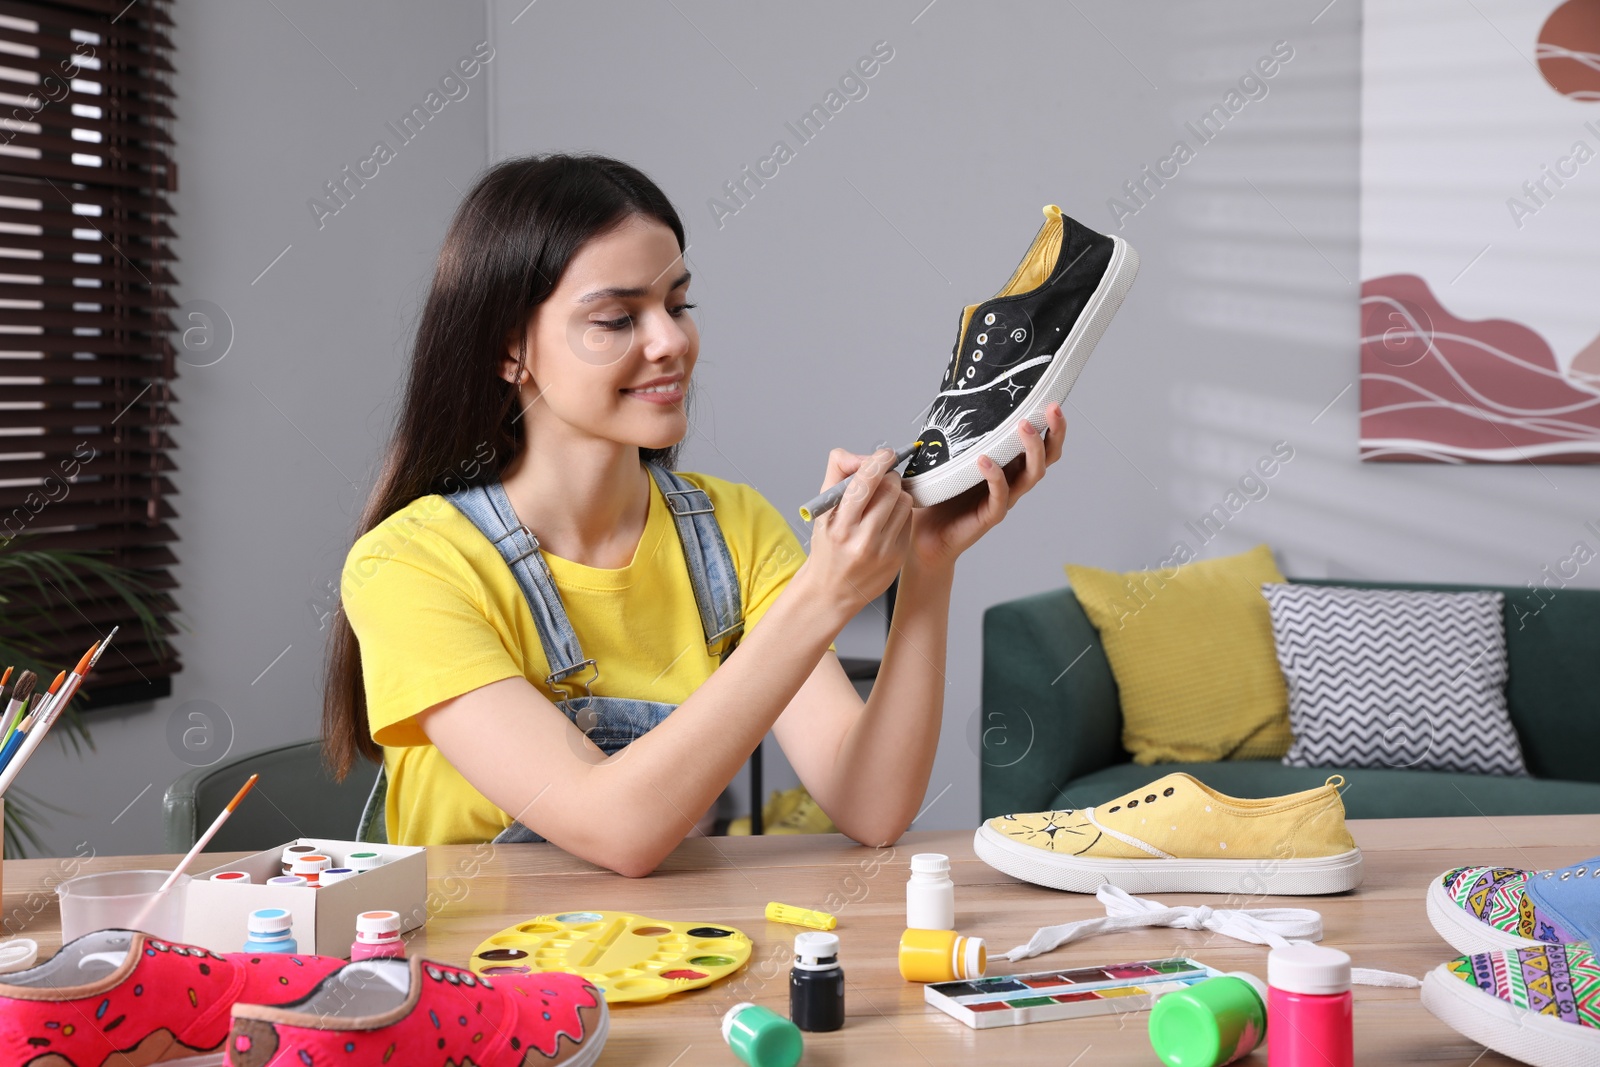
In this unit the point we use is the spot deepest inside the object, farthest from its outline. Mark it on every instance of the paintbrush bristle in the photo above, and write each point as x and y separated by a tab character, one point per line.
25	683
61	676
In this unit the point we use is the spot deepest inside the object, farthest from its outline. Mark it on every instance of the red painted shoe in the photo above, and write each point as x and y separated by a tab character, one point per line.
416	1013
116	998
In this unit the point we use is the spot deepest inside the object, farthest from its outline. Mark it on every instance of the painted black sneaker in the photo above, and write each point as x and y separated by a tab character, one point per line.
1018	352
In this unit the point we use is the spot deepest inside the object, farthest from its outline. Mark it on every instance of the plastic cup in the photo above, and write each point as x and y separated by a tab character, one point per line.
115	900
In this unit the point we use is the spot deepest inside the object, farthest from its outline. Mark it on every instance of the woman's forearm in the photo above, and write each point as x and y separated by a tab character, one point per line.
718	726
886	756
645	797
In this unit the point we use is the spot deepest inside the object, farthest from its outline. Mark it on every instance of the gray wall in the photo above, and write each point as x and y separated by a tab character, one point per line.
278	440
827	301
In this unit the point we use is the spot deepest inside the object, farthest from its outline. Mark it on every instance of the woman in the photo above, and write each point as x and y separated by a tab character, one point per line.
547	391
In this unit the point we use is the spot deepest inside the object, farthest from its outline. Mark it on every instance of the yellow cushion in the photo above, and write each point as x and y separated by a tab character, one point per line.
1191	648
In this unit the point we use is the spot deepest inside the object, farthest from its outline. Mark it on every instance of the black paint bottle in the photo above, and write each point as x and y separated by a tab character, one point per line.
816	984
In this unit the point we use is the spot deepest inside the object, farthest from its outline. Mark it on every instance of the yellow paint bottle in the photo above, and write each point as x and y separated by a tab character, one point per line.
941	956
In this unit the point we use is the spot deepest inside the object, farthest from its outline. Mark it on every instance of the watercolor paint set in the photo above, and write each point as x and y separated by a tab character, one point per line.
1045	996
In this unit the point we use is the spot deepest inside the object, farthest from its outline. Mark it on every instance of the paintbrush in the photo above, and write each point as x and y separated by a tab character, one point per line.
205	839
13	713
46	715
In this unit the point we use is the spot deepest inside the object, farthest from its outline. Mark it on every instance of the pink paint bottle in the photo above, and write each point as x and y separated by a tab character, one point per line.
377	936
1309	1008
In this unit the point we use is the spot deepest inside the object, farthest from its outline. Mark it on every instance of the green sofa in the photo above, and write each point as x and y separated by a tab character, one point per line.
1051	728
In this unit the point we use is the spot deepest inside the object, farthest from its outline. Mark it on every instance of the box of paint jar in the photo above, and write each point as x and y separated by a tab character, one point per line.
323	884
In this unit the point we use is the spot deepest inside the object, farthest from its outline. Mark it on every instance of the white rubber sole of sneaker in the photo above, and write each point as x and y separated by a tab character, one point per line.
1541	1040
1004	442
1462	932
1293	877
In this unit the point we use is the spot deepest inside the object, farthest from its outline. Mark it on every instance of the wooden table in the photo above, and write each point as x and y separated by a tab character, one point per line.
477	890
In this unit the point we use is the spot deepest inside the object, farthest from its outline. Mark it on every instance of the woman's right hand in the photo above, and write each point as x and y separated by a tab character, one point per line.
859	546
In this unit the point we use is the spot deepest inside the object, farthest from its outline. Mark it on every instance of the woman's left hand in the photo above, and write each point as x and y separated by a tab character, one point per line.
942	532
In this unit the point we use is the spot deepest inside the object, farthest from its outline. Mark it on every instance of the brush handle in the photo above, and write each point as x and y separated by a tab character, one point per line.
13	719
30	742
9	753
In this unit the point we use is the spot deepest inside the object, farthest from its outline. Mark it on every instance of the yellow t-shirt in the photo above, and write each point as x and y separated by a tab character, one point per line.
438	613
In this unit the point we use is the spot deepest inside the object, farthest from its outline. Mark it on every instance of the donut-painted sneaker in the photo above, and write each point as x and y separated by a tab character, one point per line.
416	1013
1489	909
1178	835
1537	1005
116	998
1018	352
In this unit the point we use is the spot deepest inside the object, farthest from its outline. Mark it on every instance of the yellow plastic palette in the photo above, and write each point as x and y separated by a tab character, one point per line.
629	957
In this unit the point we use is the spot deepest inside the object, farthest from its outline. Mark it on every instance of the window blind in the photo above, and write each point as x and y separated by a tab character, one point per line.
86	357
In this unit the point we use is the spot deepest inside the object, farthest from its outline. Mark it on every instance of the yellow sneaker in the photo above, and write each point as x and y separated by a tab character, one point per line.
1176	835
792	811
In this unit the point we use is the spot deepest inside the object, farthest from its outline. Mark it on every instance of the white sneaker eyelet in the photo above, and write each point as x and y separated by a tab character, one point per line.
983	338
971	371
977	354
988	320
1565	875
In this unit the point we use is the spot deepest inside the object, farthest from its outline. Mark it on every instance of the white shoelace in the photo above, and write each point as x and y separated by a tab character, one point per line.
1275	927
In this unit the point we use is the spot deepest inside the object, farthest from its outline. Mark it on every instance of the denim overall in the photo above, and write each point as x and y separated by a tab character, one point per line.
610	722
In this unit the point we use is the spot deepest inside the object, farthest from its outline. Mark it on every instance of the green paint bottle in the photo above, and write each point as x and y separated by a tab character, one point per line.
761	1037
1210	1023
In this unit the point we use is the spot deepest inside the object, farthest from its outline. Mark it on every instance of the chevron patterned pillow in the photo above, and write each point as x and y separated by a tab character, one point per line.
1395	678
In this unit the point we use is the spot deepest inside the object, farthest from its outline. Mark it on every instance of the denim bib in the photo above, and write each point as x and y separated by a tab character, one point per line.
610	722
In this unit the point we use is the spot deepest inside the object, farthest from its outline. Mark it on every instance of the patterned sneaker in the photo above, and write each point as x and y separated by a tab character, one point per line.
121	997
1538	1005
1490	909
1018	352
433	1013
1176	835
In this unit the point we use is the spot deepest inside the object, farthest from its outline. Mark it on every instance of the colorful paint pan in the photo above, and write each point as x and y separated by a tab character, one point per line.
1044	996
628	957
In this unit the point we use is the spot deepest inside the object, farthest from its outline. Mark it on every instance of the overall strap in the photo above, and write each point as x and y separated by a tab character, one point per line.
490	510
711	570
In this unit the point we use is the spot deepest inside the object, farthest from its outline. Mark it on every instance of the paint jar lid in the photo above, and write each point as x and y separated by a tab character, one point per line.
288	879
816	951
761	1037
238	877
378	926
1215	1021
973	959
310	864
363	861
1314	970
293	851
269	921
930	863
335	874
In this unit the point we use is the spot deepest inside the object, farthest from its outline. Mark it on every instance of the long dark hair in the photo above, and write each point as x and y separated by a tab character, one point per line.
459	424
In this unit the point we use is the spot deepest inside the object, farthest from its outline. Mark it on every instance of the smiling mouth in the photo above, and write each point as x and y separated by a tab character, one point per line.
670	387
